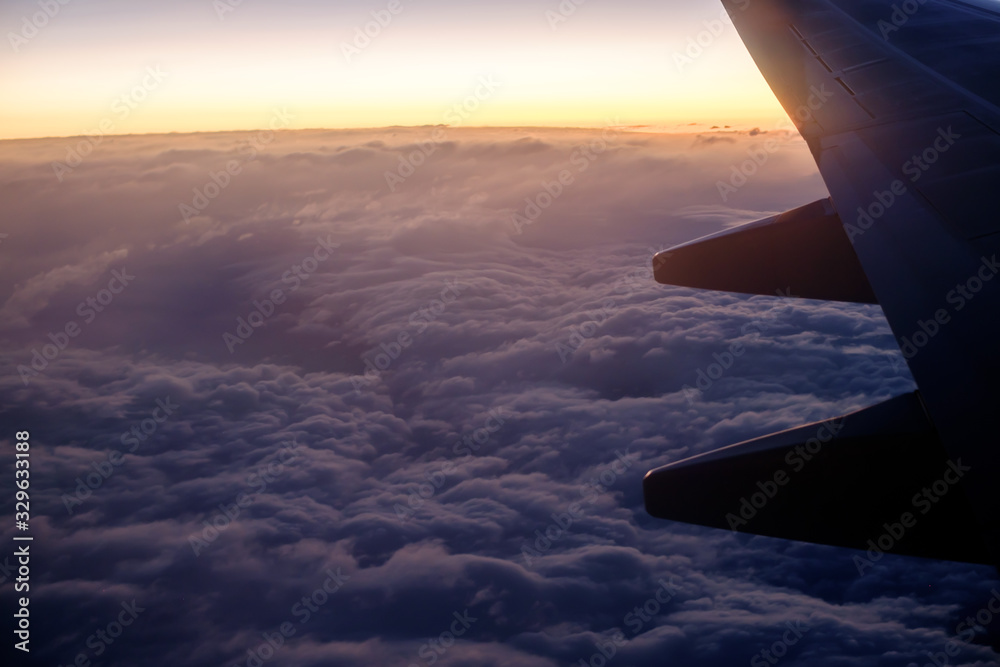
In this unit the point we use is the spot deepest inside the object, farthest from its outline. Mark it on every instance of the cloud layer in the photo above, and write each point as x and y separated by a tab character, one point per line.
369	386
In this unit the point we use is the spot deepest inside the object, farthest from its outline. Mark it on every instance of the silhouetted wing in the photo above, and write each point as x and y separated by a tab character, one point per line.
898	102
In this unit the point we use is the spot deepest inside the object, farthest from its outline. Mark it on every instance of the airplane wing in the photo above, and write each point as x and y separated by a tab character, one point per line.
899	103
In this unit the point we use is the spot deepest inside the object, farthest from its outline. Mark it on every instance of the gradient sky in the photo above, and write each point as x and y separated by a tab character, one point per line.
224	70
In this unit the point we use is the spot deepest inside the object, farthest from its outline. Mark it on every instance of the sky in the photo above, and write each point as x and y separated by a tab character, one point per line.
224	65
350	359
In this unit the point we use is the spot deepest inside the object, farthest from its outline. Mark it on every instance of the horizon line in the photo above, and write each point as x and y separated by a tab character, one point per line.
638	128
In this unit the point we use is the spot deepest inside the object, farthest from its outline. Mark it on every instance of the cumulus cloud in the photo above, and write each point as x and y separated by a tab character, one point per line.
33	296
362	409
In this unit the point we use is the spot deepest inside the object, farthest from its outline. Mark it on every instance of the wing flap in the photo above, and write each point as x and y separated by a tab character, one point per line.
878	476
803	252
